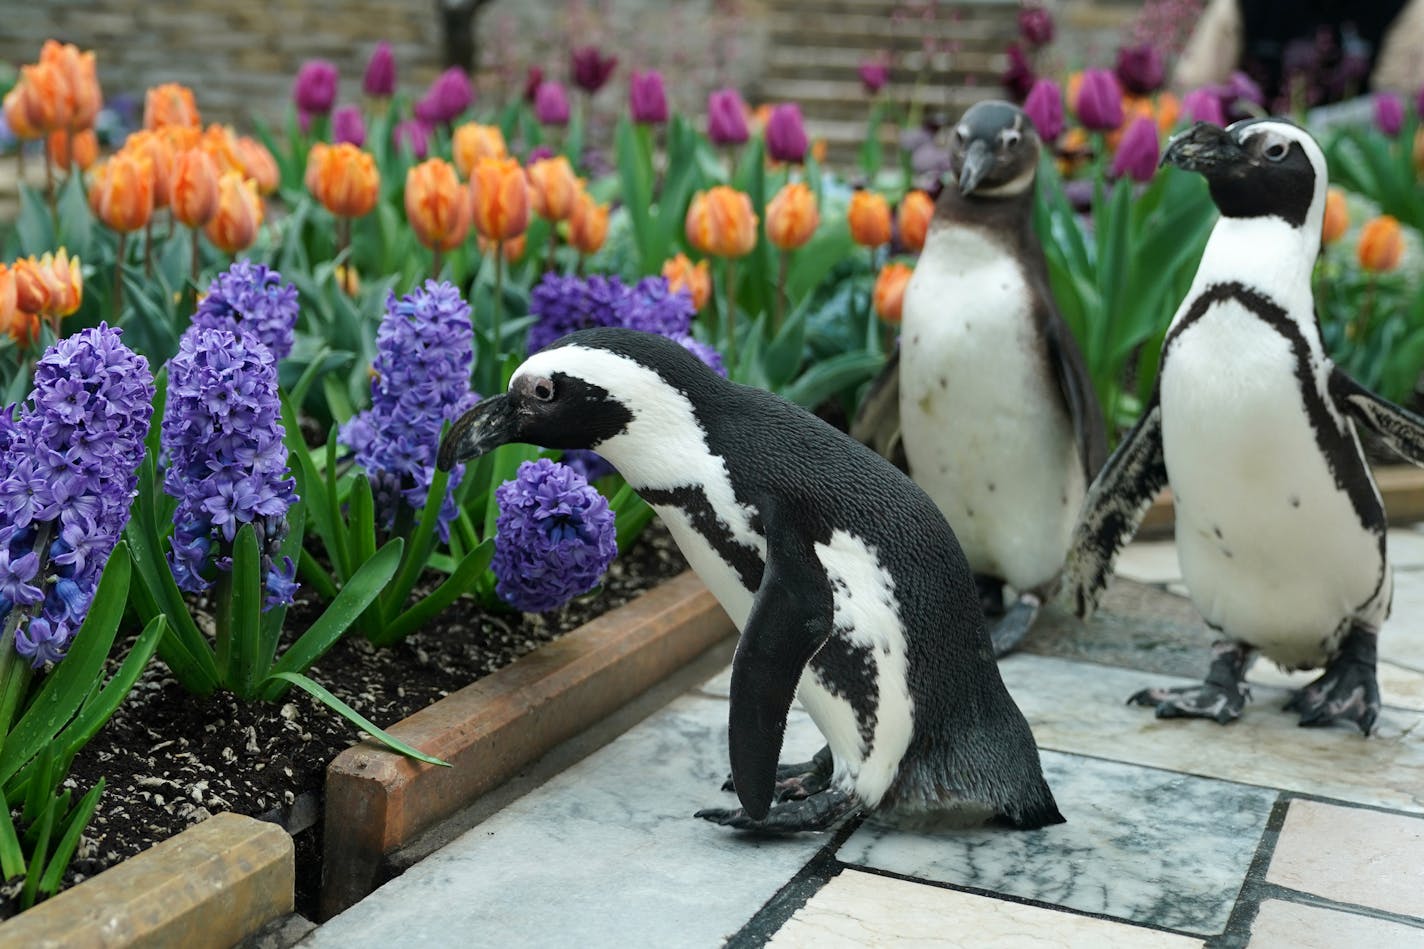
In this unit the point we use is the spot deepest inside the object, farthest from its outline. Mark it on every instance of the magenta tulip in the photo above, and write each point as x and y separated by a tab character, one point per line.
533	79
647	99
874	74
551	104
1204	105
1389	113
1099	105
1137	152
314	90
1044	106
448	96
1019	77
413	134
1140	69
590	68
786	133
726	117
379	82
348	126
1036	26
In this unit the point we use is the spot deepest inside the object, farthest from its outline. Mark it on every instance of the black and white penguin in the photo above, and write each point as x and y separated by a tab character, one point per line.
988	404
1280	529
847	585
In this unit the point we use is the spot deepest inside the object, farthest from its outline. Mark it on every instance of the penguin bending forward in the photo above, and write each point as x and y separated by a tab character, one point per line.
845	582
987	404
1280	528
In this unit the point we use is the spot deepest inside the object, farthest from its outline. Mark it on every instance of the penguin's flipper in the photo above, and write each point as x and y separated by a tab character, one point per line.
1076	386
877	421
1116	503
1399	427
789	620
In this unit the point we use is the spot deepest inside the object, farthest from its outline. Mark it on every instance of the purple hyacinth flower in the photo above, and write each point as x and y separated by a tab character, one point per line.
704	352
590	465
1140	68
1137	153
1204	105
647	99
414	135
1099	105
379	80
314	90
786	134
590	69
554	537
1044	107
347	125
1018	77
1036	26
421	380
565	304
249	298
651	307
1389	113
726	117
874	74
551	104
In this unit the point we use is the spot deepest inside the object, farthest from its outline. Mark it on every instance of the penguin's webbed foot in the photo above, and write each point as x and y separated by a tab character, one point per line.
991	594
1348	691
799	780
1013	626
1222	696
815	812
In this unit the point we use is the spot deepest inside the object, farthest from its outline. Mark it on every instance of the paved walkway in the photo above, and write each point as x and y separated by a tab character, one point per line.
1261	834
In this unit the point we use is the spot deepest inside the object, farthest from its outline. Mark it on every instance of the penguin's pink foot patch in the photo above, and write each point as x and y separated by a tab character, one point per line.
1222	696
1347	692
799	780
819	811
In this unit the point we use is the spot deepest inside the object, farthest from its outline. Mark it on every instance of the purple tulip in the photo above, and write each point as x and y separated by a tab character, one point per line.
533	79
590	68
1036	26
1137	152
1018	78
1044	106
874	74
379	82
647	100
539	153
786	134
413	134
551	104
1389	112
1140	69
348	126
1099	104
1241	86
315	88
449	95
726	117
1204	105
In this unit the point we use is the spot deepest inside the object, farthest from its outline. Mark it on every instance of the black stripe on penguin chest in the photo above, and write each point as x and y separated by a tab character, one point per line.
847	671
744	559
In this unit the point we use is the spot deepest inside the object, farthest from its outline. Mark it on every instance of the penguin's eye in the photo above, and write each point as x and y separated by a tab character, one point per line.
1009	137
543	389
1277	151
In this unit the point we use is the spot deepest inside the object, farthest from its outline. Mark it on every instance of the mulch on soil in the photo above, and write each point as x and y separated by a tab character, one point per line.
171	759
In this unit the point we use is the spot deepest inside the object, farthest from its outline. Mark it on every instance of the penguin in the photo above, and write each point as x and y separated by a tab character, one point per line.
1280	527
987	403
847	586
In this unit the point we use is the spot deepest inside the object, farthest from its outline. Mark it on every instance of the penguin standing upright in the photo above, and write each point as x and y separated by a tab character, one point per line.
1280	529
845	582
988	404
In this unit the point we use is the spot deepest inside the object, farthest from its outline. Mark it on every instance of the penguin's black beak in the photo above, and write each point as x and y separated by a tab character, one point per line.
1204	148
978	159
491	423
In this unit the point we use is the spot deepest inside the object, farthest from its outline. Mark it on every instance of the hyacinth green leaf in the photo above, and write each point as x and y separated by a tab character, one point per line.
362	507
12	856
41	833
356	718
465	578
337	544
244	615
831	376
337	401
101	707
418	551
631	515
871	152
69	841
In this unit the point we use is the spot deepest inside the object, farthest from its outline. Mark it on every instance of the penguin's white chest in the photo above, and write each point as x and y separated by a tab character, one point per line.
984	427
1271	549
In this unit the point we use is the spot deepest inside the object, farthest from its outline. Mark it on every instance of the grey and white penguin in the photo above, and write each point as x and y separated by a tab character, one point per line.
987	404
1280	529
848	587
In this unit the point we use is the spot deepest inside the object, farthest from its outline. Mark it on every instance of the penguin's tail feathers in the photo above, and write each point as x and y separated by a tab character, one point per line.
1040	810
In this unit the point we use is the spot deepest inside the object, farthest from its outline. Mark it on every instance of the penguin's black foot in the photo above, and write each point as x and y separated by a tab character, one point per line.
816	812
1347	692
1222	696
991	594
1014	625
799	780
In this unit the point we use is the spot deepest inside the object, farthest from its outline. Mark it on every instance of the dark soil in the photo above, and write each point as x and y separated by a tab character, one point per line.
171	759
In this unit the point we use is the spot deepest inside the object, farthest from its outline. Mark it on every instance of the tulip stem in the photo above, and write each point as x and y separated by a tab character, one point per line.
119	276
49	187
1363	322
781	300
553	245
148	247
498	316
731	318
193	256
436	262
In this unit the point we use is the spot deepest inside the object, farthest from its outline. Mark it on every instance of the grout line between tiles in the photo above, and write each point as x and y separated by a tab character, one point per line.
1249	896
775	912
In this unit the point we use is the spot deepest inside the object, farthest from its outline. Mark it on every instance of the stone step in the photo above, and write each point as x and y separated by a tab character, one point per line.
858	31
787	62
905	9
825	99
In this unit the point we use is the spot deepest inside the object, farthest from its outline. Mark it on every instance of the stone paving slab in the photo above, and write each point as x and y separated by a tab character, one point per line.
1285	925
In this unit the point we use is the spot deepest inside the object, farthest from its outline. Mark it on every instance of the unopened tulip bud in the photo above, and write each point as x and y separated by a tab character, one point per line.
869	218
792	216
436	205
721	222
234	226
889	293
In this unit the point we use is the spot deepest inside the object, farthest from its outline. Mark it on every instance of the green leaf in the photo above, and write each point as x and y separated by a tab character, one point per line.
339	547
64	851
273	618
362	508
418	551
356	718
42	833
831	376
239	621
12	857
102	706
463	580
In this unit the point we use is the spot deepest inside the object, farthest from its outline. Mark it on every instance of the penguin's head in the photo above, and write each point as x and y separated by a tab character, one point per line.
584	390
1256	168
994	151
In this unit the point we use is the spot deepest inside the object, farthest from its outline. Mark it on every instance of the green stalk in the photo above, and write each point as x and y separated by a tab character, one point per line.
222	622
498	319
731	318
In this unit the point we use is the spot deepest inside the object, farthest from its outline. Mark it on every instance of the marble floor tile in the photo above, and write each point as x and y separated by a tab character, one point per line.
1402	639
1352	855
1400	687
1406	548
1150	561
861	909
1284	925
605	854
1140	844
1079	707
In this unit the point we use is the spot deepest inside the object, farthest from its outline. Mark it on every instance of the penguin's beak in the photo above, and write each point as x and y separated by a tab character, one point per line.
1205	149
479	431
978	159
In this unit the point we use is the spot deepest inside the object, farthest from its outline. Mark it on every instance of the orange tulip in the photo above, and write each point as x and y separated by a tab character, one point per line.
721	223
17	112
472	142
348	279
220	142
258	164
18	324
869	217
818	150
436	206
49	286
343	178
180	138
194	185
1169	109
792	216
155	151
1381	244
170	104
553	188
499	196
890	290
81	81
47	99
683	274
1419	151
121	192
79	148
239	215
914	215
1337	217
588	224
32	290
